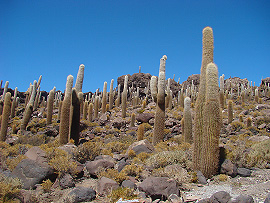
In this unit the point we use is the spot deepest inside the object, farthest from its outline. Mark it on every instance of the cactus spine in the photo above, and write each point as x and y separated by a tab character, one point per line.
207	57
5	116
124	97
230	111
187	121
65	112
212	124
104	98
159	123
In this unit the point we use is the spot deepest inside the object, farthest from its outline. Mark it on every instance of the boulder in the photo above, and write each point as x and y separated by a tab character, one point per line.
267	199
243	199
31	172
93	166
220	197
128	184
159	187
244	172
144	117
81	194
37	154
105	185
66	181
141	146
228	168
118	122
201	178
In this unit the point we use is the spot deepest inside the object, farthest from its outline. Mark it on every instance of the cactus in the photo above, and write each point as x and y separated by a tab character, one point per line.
96	107
14	103
249	121
132	122
65	112
221	92
209	160
140	132
79	79
207	57
167	100
187	121
85	110
5	90
59	110
29	107
75	120
153	88
124	97
111	95
90	112
159	123
256	98
230	111
117	102
50	107
104	98
5	116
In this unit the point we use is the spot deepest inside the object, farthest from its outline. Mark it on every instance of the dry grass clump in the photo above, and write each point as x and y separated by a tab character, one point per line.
87	151
9	189
112	174
124	193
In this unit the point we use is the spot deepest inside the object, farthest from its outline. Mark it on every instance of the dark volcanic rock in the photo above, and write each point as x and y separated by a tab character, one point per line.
228	168
81	194
220	197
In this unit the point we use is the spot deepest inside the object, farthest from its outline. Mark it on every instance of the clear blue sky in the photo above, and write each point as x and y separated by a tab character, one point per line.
113	38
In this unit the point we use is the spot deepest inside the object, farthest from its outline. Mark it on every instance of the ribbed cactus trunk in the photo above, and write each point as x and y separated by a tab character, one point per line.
221	91
104	98
96	107
207	57
187	121
79	79
124	97
5	116
90	112
159	123
230	111
153	88
85	110
212	124
75	120
65	112
50	107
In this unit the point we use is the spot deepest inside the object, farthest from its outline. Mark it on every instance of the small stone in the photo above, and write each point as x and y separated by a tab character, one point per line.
220	197
244	172
201	178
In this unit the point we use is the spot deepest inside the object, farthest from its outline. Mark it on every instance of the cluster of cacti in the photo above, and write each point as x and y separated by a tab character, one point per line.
159	124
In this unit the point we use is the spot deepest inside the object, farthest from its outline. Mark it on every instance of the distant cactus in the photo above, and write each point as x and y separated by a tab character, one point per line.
140	132
132	122
124	97
96	107
29	107
249	121
59	110
159	123
230	111
187	121
79	79
90	112
221	91
50	107
14	103
65	112
5	116
207	57
104	98
212	124
85	110
111	95
241	118
153	88
117	102
256	97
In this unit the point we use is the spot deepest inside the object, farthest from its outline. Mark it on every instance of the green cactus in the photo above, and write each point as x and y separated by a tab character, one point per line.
124	97
249	121
85	110
187	121
207	57
5	116
96	107
132	122
65	112
209	160
140	132
104	98
90	112
111	95
159	123
50	107
14	103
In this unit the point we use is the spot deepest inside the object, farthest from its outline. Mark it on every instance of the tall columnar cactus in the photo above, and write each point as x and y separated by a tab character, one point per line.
209	160
104	98
187	121
249	121
14	103
65	112
111	95
230	111
59	110
75	120
159	123
124	97
79	79
140	132
96	107
29	107
132	121
117	102
167	100
5	90
207	57
153	88
85	110
90	112
256	97
5	116
50	107
221	91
